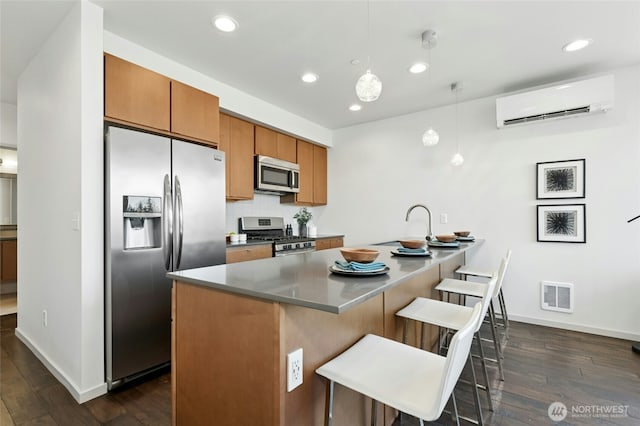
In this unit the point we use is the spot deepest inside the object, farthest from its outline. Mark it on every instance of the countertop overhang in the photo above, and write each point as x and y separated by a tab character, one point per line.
305	279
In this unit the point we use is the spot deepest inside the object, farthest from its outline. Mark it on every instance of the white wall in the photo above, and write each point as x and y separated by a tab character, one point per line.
231	99
60	267
377	170
8	125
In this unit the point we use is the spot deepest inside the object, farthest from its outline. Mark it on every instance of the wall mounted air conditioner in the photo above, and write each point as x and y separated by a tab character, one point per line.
559	101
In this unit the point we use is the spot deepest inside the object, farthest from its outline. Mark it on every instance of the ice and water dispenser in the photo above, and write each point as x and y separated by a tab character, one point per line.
142	222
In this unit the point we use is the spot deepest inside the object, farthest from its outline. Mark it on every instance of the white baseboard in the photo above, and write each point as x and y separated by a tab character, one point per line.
577	327
81	396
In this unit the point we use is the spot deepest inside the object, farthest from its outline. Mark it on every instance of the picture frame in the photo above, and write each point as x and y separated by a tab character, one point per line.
560	179
562	223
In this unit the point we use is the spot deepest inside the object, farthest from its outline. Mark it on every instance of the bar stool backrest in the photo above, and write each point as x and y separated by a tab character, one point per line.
490	291
457	357
502	271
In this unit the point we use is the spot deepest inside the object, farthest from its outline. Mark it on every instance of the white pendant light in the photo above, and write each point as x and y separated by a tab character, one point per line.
430	137
368	86
429	40
457	158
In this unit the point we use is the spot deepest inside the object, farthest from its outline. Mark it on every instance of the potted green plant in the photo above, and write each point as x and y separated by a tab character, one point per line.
303	217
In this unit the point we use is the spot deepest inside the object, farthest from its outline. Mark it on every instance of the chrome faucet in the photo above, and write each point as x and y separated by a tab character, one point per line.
406	219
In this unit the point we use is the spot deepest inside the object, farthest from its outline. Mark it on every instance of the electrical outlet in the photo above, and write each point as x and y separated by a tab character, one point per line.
443	218
45	321
294	369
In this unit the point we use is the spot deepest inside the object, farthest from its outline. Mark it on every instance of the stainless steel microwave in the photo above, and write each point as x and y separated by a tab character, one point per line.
273	174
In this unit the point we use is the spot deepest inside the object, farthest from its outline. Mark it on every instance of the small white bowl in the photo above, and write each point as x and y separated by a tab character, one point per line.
234	238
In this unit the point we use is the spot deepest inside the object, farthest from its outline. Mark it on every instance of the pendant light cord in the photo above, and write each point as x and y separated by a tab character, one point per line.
457	120
368	35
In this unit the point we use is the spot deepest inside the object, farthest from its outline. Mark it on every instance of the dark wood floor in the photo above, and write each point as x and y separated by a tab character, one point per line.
542	365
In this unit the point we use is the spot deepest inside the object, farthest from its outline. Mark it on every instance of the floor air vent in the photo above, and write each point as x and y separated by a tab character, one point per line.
556	296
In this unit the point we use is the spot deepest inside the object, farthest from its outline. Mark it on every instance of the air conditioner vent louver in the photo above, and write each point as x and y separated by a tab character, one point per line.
559	101
556	114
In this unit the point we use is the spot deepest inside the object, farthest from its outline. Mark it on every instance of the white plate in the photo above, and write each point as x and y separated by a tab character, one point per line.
470	238
339	271
399	253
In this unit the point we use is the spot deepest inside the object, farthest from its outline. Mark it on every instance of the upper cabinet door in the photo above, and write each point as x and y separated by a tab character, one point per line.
286	147
194	113
275	144
236	140
266	142
135	94
305	160
319	175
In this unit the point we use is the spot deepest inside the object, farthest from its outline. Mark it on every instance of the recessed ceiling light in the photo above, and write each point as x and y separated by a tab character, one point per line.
355	61
225	23
576	45
310	77
417	68
355	107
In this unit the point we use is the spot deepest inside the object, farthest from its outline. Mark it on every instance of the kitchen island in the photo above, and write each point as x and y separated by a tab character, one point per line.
233	326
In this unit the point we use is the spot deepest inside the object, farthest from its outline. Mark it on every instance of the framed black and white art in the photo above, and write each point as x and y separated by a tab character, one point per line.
562	223
560	179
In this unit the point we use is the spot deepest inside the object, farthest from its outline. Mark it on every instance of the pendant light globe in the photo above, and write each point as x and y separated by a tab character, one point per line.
368	87
430	137
457	159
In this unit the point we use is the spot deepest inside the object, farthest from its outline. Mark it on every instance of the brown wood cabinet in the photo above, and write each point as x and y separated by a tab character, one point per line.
252	252
305	161
194	113
275	144
136	95
249	339
329	243
312	160
9	262
236	140
319	175
142	98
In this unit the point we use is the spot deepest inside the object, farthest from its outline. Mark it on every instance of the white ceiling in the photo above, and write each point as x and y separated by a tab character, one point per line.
492	47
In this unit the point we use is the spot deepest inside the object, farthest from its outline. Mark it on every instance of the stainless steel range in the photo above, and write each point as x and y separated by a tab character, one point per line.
272	229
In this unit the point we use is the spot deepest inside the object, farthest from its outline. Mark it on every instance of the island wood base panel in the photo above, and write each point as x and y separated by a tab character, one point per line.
230	352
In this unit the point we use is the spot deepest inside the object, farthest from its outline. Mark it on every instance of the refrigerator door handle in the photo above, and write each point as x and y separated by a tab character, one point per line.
180	223
167	224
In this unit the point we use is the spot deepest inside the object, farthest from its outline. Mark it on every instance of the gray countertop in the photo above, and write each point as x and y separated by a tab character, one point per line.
305	279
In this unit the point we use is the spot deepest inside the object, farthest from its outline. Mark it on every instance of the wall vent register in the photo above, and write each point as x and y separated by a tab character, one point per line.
556	296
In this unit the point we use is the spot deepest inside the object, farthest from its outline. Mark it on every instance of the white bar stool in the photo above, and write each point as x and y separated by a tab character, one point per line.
473	289
403	377
452	317
471	271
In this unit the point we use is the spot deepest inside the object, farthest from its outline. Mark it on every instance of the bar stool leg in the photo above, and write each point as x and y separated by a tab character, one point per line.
328	419
476	395
374	413
496	343
505	315
454	413
494	325
484	371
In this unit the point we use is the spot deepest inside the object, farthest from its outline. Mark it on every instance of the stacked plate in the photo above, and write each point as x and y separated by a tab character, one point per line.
411	248
359	262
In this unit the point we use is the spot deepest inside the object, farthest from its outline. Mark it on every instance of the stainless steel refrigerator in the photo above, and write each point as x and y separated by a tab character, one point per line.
164	211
